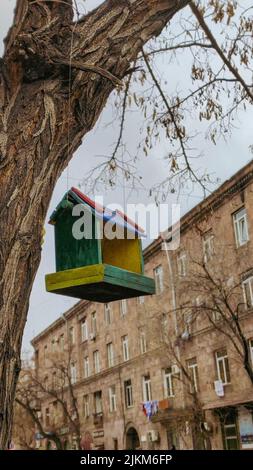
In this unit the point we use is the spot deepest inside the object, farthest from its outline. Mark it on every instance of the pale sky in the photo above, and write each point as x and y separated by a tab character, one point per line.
222	160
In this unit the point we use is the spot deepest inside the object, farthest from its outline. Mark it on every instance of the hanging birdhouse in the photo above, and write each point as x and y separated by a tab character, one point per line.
98	252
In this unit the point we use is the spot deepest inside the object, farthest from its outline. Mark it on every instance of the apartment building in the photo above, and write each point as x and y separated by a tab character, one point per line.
172	369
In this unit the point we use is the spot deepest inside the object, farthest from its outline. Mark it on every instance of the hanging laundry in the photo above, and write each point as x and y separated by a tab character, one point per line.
155	405
150	408
143	409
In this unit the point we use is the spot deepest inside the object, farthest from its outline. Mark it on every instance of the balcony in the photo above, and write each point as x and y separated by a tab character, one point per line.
167	412
98	419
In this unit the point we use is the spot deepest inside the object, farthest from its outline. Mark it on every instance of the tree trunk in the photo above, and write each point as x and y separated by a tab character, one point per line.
46	108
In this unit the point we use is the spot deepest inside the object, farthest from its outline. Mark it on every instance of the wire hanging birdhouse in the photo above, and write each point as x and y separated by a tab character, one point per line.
92	261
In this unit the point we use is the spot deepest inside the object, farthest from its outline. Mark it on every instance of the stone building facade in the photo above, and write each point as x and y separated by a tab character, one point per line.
179	349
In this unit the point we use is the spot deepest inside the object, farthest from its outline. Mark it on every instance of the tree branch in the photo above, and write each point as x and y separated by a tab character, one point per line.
219	51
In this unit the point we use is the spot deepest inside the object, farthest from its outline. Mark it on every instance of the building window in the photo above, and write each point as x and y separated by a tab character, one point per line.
143	342
96	362
71	335
108	314
84	330
193	374
45	351
141	299
110	355
208	246
158	275
146	388
247	286
86	367
73	375
123	307
229	427
251	351
168	383
94	323
112	399
181	264
125	348
53	345
241	227
222	365
128	393
61	343
188	320
98	402
86	406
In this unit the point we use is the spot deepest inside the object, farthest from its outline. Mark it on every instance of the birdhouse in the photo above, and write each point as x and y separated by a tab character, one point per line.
98	252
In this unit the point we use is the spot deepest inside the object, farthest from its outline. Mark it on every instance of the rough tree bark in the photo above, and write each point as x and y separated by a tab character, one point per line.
46	108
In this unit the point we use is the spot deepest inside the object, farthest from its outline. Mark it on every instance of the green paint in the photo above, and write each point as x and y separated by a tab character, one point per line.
100	283
72	253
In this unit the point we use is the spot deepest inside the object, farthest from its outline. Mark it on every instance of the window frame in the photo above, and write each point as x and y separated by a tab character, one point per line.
248	281
182	263
168	383
112	399
61	342
128	389
208	242
86	367
86	406
192	366
146	388
143	342
110	354
84	329
238	236
94	323
73	376
225	364
96	362
159	279
108	314
98	402
125	348
123	308
72	335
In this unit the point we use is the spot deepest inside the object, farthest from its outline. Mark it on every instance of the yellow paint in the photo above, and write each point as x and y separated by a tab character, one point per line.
125	254
75	277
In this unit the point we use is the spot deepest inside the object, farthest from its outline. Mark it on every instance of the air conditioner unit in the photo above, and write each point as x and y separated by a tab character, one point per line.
175	369
92	336
153	436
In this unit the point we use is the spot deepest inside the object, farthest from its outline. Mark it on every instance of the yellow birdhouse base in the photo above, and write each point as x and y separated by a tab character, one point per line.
100	283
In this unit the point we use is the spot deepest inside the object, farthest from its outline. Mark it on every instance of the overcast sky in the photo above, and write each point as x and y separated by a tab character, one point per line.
222	160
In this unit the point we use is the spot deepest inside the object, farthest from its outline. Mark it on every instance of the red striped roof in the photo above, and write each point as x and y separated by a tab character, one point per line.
102	209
